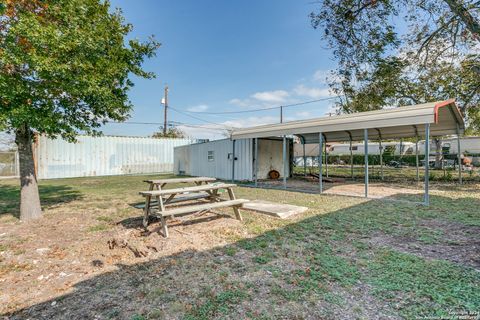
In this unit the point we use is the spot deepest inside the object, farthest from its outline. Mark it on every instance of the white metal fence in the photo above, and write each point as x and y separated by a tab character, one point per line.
106	155
9	166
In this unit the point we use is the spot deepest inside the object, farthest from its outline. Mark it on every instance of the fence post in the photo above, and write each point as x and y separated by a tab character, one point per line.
17	164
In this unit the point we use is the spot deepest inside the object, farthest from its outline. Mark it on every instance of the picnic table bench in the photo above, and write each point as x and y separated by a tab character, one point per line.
169	194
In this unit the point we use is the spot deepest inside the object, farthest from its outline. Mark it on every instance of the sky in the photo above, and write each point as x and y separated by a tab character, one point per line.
223	56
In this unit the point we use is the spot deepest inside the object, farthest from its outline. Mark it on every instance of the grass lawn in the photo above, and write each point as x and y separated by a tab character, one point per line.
345	258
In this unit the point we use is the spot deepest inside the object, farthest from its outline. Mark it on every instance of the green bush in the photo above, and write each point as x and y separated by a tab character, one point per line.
374	159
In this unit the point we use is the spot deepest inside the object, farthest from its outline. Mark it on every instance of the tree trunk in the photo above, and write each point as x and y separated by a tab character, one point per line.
29	197
438	154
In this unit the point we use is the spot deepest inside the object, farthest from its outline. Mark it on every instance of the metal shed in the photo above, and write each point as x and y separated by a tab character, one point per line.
429	119
102	156
215	159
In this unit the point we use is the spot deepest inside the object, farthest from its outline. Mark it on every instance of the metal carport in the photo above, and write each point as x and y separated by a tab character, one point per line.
429	119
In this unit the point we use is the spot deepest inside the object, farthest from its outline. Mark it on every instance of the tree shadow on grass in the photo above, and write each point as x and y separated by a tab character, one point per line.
50	195
318	267
184	219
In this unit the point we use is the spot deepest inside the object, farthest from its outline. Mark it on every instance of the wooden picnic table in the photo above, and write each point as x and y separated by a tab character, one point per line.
159	184
212	195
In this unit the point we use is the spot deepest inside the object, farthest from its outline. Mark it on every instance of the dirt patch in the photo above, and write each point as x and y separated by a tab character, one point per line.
454	242
45	259
347	188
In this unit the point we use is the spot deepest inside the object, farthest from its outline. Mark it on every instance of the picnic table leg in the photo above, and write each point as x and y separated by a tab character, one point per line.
199	183
146	211
161	206
159	188
212	195
215	196
164	226
170	198
161	209
235	208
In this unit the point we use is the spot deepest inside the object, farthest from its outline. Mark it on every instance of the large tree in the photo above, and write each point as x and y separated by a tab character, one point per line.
401	52
64	69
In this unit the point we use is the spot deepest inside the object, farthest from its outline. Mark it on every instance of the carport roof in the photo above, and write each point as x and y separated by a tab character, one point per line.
443	116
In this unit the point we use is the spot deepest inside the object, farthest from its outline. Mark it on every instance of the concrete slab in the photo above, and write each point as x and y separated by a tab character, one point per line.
282	211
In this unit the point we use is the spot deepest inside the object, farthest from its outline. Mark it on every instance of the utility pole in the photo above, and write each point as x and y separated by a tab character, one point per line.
165	102
281	114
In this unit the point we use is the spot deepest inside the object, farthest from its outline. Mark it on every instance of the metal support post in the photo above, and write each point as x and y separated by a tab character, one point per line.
459	155
233	161
365	134
320	156
426	196
284	162
256	162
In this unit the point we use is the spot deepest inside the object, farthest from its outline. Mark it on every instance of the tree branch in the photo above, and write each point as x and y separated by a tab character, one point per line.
470	23
433	34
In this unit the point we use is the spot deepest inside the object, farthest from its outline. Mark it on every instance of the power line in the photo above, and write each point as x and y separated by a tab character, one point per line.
187	113
269	108
169	122
194	117
195	126
311	101
133	122
232	112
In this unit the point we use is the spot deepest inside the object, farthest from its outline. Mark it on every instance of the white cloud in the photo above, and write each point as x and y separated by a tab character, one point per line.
199	108
220	131
210	132
312	92
251	121
321	75
240	102
271	96
262	98
325	77
315	87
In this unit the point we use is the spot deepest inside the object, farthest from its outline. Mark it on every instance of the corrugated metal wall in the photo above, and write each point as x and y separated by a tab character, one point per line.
9	164
100	156
193	159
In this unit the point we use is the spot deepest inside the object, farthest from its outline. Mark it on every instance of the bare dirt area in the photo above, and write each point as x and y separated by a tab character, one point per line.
348	188
90	258
48	257
445	240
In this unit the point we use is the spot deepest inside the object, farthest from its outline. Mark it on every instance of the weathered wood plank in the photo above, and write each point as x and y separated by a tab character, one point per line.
207	187
235	208
181	180
201	207
178	198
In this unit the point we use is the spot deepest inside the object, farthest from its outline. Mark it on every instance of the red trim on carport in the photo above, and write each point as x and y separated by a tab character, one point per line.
443	104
